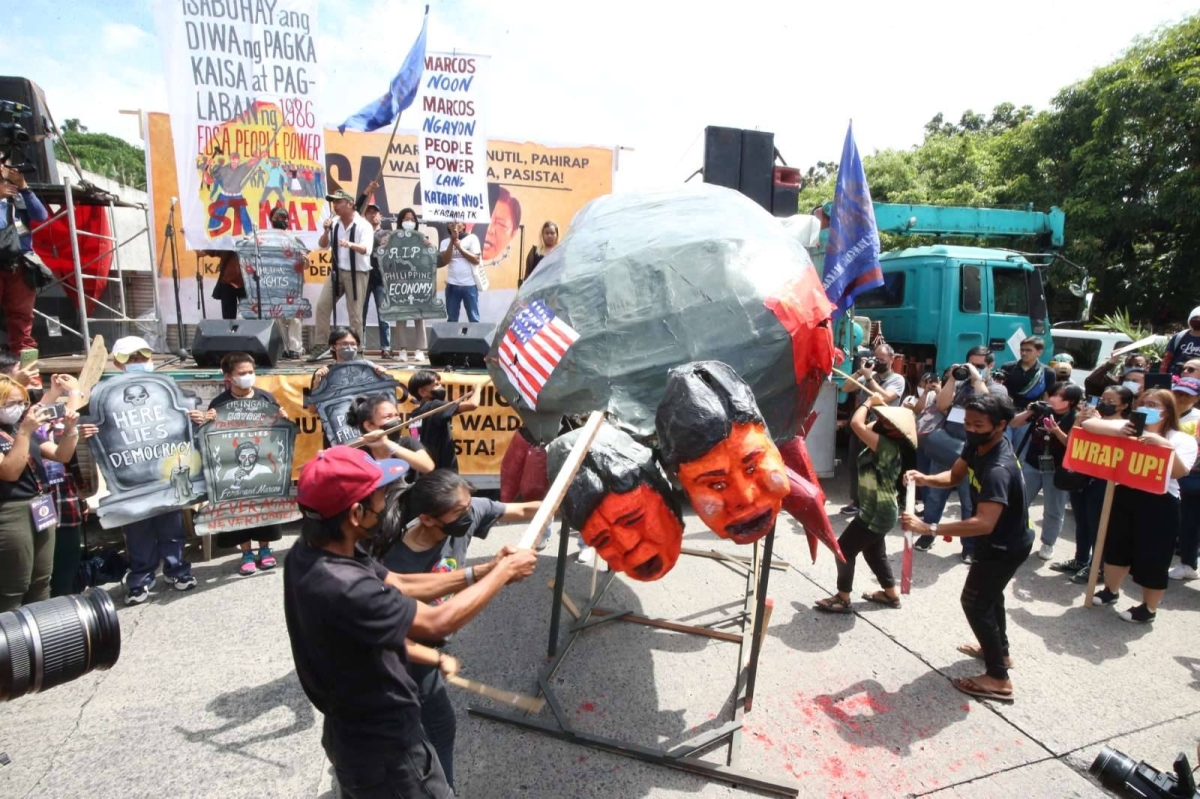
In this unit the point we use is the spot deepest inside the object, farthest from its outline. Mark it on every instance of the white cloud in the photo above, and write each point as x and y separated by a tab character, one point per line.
120	37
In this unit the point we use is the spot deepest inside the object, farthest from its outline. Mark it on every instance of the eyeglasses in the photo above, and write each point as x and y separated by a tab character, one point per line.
124	357
1190	369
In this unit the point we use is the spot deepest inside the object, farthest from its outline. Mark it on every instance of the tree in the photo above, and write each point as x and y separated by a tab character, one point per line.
103	154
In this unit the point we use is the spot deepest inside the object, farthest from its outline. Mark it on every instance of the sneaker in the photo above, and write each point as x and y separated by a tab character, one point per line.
137	596
1105	597
1138	615
318	355
588	554
186	583
420	356
402	357
967	557
266	558
1183	571
850	510
248	566
924	543
1046	551
1067	566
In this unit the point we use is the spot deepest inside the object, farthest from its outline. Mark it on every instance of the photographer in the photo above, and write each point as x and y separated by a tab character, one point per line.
1026	379
19	207
1102	378
875	373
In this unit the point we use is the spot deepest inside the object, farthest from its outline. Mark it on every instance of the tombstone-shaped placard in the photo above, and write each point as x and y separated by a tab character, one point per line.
409	268
341	385
247	450
277	259
145	448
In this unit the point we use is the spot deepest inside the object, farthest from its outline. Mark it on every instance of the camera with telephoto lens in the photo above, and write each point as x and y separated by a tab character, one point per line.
960	372
1117	772
1039	410
52	642
13	134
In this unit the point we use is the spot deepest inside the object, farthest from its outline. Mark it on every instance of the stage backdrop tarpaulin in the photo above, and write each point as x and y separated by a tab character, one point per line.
453	143
545	182
1124	461
241	82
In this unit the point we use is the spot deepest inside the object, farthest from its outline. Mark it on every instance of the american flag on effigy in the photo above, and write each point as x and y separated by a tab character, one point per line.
532	347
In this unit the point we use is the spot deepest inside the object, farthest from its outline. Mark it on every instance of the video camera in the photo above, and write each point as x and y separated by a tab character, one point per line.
12	132
1117	772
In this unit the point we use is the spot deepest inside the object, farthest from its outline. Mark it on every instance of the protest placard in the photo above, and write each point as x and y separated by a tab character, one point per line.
452	139
273	264
341	385
408	265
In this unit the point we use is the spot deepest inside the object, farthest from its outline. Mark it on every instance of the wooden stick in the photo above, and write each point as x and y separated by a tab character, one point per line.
851	380
359	444
566	601
523	701
1098	548
93	368
906	563
768	609
562	482
391	139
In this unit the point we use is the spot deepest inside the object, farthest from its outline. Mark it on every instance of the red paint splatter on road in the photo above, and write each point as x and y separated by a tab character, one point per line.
588	706
583	758
965	708
835	767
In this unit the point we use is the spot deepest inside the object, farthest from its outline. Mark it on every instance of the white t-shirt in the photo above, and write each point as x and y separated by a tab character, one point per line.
458	271
364	234
894	384
1185	450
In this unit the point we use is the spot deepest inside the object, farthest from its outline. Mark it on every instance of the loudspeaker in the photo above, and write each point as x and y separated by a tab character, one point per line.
786	199
757	166
460	344
216	338
722	156
36	156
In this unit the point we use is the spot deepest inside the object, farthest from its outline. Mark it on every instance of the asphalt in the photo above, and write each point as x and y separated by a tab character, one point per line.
204	701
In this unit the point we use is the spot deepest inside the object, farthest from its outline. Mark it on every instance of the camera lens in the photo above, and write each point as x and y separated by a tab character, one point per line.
960	373
1112	768
48	643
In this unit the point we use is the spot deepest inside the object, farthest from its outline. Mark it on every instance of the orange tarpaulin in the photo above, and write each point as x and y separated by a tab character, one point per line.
52	242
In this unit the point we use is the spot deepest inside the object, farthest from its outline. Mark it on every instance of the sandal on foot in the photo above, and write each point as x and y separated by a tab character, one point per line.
881	598
971	650
972	688
833	604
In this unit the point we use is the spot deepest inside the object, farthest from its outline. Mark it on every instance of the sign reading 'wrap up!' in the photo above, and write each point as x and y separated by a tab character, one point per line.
1124	461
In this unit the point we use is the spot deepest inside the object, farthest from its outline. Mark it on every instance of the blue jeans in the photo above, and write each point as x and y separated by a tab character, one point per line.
152	540
465	295
1054	502
375	289
1086	506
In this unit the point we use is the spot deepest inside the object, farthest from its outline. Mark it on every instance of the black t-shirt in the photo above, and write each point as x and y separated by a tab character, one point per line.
226	396
452	554
347	631
33	476
437	434
996	477
1039	438
1183	346
1027	385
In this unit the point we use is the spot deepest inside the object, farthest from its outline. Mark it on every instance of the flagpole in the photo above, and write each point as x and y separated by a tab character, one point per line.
391	139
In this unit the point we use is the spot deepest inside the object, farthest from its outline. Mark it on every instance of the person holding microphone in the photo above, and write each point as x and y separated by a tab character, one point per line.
350	238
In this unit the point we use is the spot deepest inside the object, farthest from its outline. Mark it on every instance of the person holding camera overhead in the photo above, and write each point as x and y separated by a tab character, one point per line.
1142	527
19	207
875	373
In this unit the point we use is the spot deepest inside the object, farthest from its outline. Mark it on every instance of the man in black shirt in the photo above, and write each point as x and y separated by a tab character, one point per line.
1001	528
348	623
437	432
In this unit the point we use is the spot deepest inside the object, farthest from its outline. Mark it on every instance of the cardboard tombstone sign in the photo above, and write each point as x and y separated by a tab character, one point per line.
272	264
712	433
337	391
247	451
621	504
408	265
145	448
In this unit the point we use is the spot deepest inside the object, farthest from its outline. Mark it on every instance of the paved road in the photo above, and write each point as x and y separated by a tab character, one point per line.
204	701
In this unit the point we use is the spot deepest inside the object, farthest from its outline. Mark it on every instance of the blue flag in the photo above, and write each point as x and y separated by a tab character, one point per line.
401	94
852	253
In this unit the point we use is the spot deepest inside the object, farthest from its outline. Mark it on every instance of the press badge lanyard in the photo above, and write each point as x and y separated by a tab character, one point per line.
41	507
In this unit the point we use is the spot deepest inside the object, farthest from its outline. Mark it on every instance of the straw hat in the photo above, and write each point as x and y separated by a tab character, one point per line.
900	418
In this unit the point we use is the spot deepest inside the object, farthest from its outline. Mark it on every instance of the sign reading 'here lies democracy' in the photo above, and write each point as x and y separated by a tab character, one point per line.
1124	461
452	141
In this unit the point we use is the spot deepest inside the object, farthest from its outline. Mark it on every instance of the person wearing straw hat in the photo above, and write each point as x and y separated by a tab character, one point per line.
890	450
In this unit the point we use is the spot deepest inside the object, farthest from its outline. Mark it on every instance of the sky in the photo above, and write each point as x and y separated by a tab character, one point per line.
648	75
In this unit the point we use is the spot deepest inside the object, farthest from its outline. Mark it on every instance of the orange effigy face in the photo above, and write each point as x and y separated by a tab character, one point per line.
636	533
738	486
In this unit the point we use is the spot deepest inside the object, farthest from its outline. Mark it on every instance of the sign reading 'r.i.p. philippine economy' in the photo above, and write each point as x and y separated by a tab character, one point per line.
452	140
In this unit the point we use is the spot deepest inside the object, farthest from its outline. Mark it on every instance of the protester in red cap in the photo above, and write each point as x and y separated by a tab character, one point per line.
348	623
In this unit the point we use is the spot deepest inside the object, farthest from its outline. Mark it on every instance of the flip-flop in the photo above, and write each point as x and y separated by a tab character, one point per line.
977	653
833	604
881	598
972	688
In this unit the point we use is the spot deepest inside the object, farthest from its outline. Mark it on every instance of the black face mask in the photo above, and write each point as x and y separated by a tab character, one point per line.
459	527
882	367
438	394
279	222
372	528
979	439
1106	409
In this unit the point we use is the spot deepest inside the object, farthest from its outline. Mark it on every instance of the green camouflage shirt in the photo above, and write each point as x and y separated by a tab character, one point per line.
877	475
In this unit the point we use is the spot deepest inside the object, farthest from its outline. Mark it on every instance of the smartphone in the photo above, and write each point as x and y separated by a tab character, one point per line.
28	357
56	411
1093	402
1139	423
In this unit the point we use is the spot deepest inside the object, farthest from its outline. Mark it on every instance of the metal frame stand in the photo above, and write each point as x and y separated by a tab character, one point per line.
683	757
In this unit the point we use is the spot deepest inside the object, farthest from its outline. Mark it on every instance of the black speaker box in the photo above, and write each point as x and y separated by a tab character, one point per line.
216	338
758	166
35	157
463	345
722	156
786	200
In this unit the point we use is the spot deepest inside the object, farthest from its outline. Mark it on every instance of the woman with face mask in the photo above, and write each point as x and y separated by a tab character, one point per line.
411	341
1087	494
1043	458
1142	527
431	530
377	417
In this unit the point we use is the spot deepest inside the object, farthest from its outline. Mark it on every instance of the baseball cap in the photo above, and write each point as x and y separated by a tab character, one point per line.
1063	357
1195	314
1187	385
370	206
124	347
340	476
340	194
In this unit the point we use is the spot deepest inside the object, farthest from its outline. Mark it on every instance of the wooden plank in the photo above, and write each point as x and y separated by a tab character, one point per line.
93	367
1098	548
562	482
523	701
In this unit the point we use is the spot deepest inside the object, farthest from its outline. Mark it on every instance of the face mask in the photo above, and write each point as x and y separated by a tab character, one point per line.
1153	415
882	367
244	381
459	527
370	529
979	439
11	414
347	353
279	223
1136	388
145	366
408	224
1107	409
438	394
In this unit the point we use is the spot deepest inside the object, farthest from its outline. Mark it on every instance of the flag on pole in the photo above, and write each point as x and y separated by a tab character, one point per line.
532	347
852	254
400	95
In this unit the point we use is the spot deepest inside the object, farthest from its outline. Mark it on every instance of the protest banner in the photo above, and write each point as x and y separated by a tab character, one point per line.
273	264
408	266
241	84
452	142
332	398
145	448
545	182
247	451
1120	461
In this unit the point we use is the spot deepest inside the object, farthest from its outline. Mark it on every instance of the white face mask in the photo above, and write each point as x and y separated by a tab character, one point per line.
244	381
145	366
1136	388
11	414
408	224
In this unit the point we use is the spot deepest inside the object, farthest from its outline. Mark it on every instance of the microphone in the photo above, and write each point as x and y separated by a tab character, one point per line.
174	201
